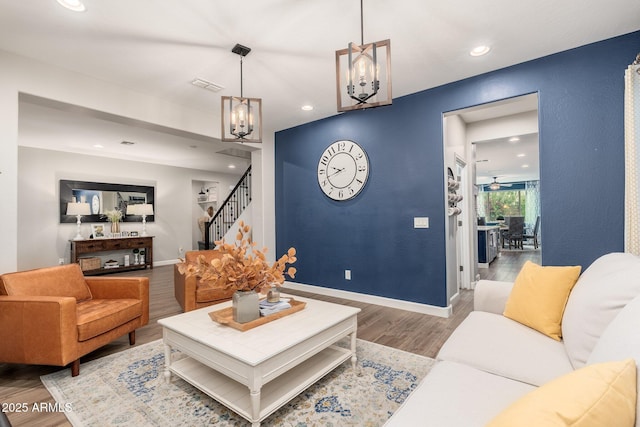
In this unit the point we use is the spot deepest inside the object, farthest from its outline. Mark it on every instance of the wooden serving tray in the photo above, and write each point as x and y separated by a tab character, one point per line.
225	316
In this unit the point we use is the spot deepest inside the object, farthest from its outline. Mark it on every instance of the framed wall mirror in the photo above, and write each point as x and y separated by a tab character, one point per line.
104	197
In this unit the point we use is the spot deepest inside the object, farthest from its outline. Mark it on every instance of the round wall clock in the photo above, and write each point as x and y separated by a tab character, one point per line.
95	205
343	170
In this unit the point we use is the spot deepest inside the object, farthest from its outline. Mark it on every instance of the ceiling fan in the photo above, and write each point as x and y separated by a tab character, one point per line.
495	185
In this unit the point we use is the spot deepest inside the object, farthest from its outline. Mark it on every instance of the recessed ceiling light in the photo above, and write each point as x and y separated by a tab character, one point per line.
480	50
307	107
514	139
525	166
75	5
232	166
98	146
521	155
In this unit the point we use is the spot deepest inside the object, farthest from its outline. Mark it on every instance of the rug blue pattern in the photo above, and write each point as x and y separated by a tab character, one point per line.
128	388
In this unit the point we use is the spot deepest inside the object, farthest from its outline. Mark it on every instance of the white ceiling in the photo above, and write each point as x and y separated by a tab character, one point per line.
510	153
158	47
508	161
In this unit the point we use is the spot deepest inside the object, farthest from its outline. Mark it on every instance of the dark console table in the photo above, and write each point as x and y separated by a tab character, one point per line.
123	246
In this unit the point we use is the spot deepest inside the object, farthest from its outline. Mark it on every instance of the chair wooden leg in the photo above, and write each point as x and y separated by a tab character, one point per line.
132	337
75	368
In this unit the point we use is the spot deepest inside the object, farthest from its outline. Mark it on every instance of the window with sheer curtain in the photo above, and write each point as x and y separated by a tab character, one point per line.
520	199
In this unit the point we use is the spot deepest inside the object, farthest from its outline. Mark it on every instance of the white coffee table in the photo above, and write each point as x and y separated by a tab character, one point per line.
256	372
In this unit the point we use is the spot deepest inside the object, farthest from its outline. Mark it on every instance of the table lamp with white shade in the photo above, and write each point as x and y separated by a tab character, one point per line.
78	209
144	210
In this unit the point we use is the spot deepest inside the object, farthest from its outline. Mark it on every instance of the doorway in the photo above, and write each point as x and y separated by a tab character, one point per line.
499	141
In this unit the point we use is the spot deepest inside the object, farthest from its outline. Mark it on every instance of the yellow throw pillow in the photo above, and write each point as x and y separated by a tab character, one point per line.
539	296
597	395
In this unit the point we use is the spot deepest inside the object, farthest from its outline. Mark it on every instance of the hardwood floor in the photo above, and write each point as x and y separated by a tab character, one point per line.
405	330
508	263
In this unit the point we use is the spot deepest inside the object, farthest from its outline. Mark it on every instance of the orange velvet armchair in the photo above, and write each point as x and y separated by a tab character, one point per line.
55	315
192	293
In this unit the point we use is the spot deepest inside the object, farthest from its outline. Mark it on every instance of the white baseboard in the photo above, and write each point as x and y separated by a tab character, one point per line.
167	262
432	310
372	299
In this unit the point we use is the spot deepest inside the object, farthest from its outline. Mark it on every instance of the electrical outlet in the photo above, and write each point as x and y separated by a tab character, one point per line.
347	274
181	250
61	261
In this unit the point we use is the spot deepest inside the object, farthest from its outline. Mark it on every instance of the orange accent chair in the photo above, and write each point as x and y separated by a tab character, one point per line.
55	315
192	293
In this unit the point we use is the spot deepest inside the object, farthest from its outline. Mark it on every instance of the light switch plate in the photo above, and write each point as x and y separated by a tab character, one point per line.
421	222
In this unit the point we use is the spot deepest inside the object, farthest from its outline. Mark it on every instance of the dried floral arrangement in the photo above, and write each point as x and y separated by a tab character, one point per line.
242	267
113	216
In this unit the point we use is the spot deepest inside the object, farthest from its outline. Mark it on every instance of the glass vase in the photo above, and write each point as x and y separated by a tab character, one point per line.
273	295
115	227
245	306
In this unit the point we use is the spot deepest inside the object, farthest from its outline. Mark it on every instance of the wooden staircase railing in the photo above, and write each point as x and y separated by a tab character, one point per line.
229	211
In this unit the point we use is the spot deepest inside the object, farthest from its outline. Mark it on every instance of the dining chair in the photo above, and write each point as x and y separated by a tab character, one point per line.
534	235
516	231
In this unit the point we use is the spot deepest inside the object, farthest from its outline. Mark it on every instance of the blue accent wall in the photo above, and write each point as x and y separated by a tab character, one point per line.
581	98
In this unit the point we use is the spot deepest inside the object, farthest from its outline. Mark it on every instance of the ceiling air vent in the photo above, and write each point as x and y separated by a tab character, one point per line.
127	143
213	87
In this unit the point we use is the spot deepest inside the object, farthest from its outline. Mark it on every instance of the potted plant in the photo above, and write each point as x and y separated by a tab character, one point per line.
243	268
114	217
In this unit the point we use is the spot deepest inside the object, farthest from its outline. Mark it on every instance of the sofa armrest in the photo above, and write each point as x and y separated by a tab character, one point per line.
491	296
38	330
122	288
184	290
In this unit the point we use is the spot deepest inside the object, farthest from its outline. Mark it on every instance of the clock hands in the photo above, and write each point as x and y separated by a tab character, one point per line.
336	172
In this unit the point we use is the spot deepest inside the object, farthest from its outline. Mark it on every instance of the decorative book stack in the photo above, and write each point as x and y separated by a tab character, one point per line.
268	308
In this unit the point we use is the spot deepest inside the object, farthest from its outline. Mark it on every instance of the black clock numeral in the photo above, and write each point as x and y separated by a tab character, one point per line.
362	168
341	145
341	194
359	155
325	160
322	171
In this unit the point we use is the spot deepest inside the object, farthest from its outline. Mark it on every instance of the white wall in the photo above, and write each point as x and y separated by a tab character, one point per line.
199	210
43	239
8	173
23	75
501	127
454	138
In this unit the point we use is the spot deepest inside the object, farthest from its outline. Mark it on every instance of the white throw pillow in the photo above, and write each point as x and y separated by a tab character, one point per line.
602	290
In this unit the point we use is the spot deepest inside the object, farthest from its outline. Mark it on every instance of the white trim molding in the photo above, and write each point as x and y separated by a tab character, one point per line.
166	262
372	299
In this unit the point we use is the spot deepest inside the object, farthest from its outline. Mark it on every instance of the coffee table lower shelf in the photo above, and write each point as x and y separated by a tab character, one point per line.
274	394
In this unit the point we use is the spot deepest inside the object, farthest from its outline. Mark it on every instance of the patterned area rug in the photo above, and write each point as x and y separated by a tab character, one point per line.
127	389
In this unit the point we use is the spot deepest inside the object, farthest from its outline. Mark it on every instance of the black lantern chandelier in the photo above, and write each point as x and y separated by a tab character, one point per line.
363	73
241	117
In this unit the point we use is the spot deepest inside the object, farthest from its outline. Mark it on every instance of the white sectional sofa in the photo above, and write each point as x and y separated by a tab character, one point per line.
490	361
